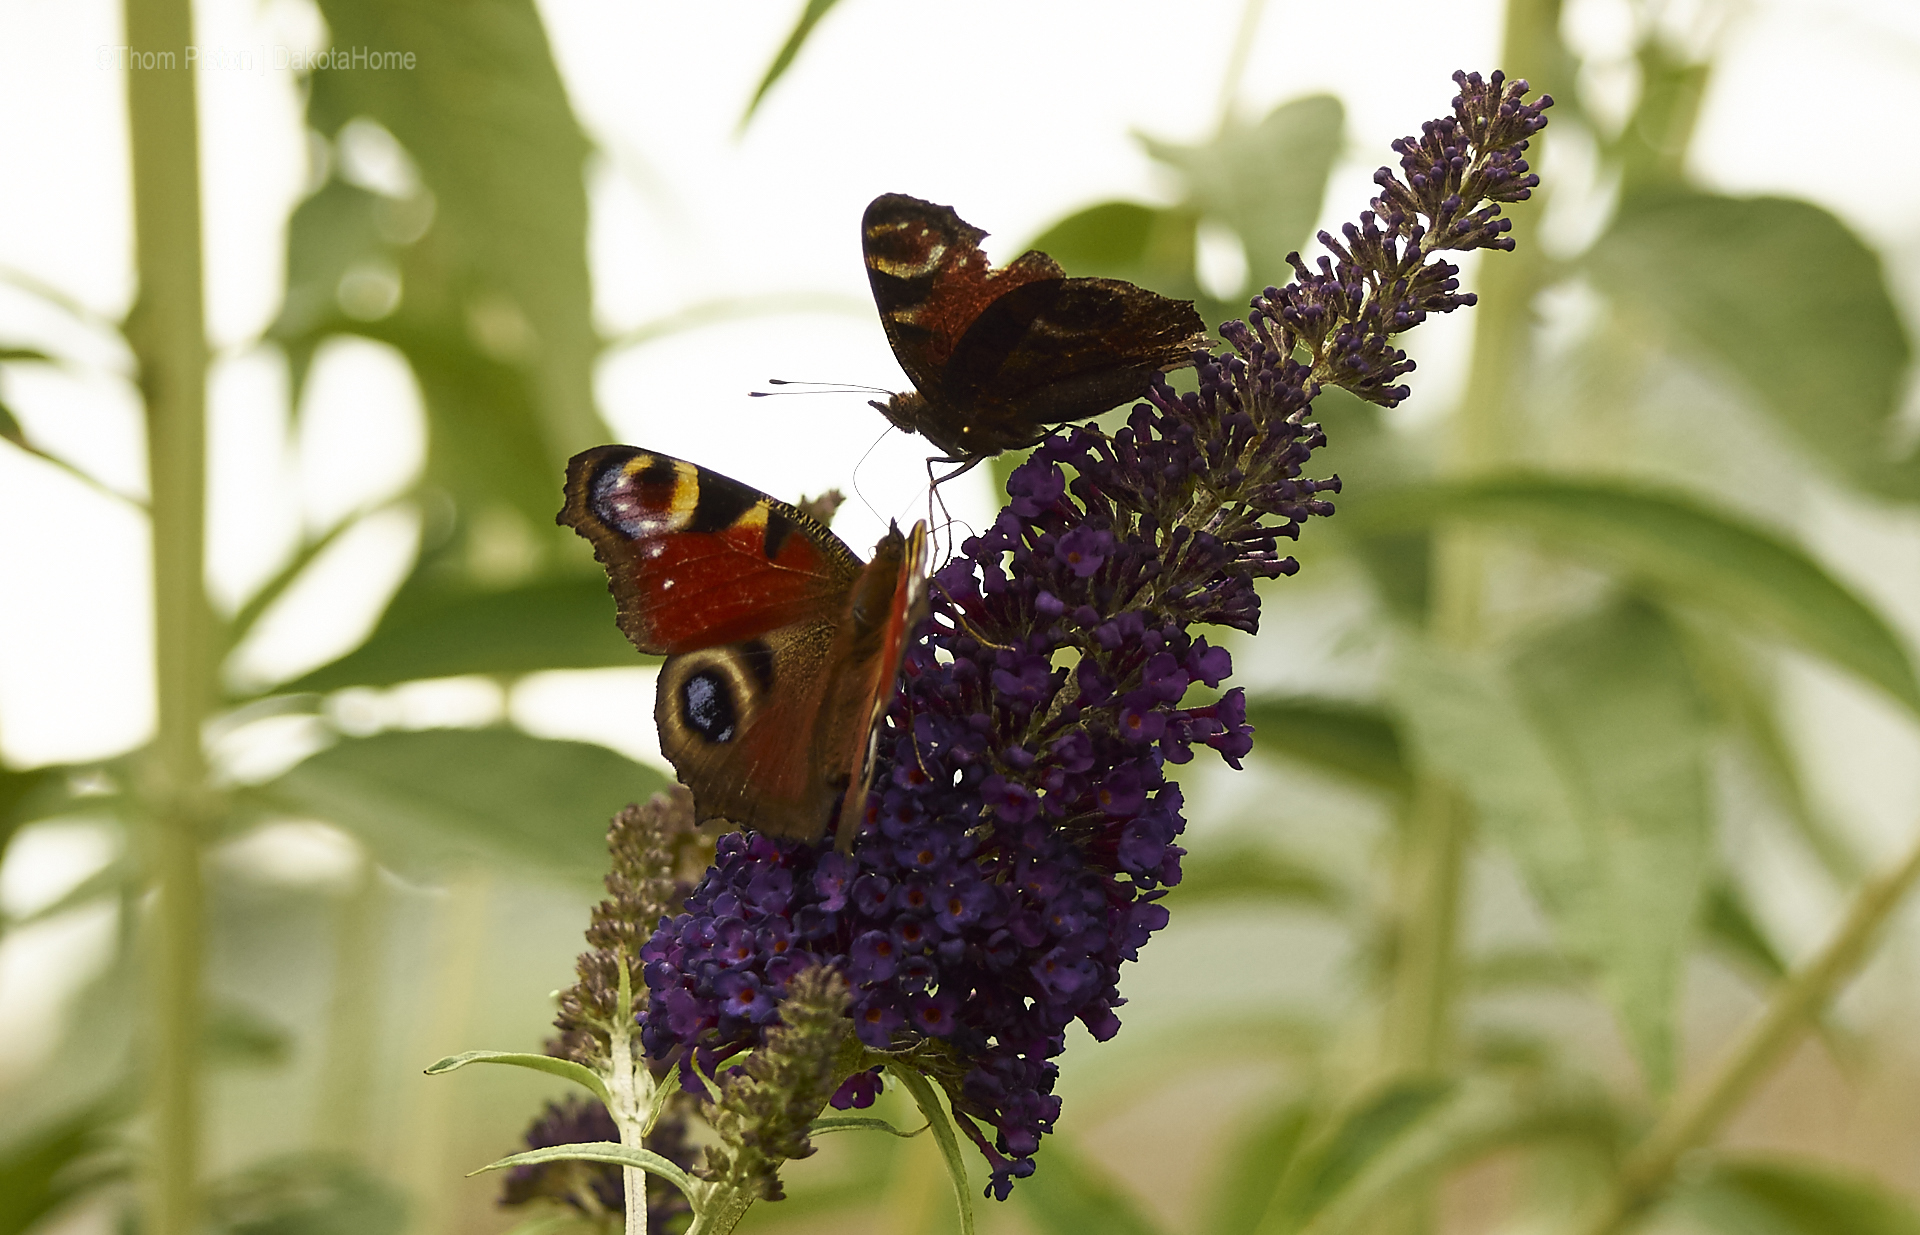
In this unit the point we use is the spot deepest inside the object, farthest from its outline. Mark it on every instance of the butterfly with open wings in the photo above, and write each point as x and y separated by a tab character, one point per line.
999	356
782	647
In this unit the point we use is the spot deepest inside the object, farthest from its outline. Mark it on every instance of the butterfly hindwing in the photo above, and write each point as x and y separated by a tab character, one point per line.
780	645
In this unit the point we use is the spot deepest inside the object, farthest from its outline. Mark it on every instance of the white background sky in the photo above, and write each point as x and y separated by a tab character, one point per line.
1016	112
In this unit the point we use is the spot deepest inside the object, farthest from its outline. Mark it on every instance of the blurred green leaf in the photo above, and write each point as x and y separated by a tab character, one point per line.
1781	1198
52	1165
1354	741
1524	968
783	59
1729	925
1265	181
25	796
1321	1169
557	623
1249	872
1588	766
306	1195
10	426
495	304
1785	297
1147	245
437	796
1252	1168
235	1034
566	1069
1683	547
1611	696
1070	1195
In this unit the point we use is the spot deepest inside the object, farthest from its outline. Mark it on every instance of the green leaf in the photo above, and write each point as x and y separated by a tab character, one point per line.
27	796
1265	181
495	311
306	1195
567	1069
1070	1195
561	623
1788	299
1685	549
10	428
1254	1167
1728	924
1612	701
1785	1198
1321	1169
783	60
1248	872
50	1166
1588	764
860	1123
1354	741
600	1151
1147	245
440	796
943	1136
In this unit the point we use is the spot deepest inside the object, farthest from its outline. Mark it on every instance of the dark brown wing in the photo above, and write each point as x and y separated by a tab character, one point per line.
931	282
1065	349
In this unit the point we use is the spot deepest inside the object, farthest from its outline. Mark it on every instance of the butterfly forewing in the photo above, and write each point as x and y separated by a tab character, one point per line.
696	559
781	647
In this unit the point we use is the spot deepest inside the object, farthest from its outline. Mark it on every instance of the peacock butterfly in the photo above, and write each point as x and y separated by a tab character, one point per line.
997	356
781	646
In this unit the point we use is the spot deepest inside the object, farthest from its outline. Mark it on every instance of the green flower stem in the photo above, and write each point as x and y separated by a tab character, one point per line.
632	1092
168	335
1697	1114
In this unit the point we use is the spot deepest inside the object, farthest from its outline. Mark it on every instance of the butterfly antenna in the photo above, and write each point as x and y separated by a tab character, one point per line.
820	388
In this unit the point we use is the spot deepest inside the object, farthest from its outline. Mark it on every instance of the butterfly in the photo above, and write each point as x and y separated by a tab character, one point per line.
781	646
997	356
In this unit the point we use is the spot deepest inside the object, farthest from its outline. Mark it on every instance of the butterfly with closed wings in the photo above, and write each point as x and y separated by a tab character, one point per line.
997	357
782	647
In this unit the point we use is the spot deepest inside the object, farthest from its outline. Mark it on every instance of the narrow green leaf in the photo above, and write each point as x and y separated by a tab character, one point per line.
438	796
1790	1198
1266	181
10	428
563	623
567	1069
943	1136
1355	741
1254	1166
600	1151
1070	1195
783	59
1248	872
1727	923
1685	549
860	1123
1320	1171
1788	300
49	1166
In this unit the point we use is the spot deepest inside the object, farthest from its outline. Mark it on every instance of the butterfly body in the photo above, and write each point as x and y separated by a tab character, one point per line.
781	646
999	356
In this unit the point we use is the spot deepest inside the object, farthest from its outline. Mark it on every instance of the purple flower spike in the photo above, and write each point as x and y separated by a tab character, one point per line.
1025	831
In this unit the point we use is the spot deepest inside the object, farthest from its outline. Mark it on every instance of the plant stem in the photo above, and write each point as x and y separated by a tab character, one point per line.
1698	1112
167	332
630	1106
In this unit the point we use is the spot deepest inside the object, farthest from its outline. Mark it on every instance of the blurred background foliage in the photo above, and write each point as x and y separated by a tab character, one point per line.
1497	881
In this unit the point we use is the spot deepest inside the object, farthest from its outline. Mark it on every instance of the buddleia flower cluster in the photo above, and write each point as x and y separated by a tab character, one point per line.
1022	830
